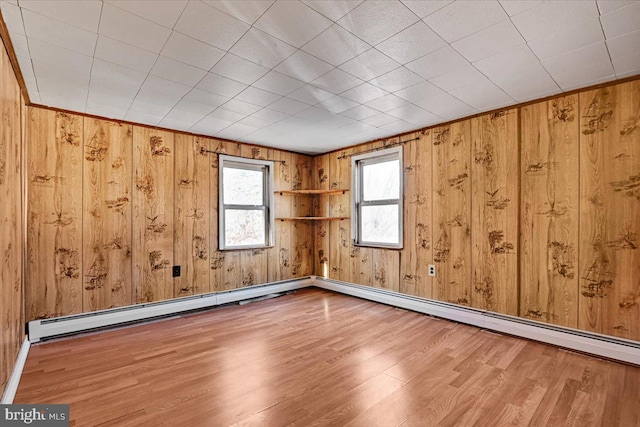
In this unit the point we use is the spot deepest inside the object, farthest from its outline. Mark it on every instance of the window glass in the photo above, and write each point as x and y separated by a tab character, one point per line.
243	186
380	224
381	181
244	227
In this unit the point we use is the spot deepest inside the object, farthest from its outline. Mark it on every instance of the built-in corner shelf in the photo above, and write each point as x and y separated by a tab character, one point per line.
314	218
310	192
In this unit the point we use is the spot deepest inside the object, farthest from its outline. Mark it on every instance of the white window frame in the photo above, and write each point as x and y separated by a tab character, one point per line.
267	206
357	162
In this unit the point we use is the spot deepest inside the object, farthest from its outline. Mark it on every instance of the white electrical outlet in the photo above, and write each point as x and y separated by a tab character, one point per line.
432	270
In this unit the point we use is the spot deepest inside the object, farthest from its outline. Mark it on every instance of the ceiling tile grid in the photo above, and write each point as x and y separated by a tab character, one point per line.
314	75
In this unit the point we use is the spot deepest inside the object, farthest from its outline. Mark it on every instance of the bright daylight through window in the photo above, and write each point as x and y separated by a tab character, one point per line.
246	198
377	184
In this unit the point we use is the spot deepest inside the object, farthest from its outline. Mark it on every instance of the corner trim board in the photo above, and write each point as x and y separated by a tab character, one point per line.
14	380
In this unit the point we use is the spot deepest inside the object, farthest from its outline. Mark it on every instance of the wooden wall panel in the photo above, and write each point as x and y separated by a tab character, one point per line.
280	257
494	182
321	229
386	269
54	237
549	211
11	216
610	210
339	205
418	200
302	234
153	214
452	212
192	204
107	180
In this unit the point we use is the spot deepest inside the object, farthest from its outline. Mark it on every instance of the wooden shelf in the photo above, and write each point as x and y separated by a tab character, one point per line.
314	218
310	192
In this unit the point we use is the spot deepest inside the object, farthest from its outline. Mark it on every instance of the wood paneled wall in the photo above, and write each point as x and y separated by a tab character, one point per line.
11	220
532	211
112	207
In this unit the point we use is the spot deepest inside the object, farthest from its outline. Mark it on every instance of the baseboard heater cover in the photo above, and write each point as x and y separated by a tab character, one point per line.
11	387
60	326
600	345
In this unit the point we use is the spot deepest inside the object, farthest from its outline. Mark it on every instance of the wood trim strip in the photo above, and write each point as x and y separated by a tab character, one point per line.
8	46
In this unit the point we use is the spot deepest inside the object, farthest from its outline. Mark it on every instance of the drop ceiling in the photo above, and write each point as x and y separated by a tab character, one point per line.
312	76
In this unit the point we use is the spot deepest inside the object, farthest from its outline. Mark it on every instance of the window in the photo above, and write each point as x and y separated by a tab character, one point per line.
377	193
246	198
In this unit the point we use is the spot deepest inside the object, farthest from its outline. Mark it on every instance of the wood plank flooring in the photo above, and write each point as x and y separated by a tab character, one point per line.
319	358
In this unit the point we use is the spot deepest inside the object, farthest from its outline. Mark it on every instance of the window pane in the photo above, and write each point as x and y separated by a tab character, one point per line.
381	181
243	186
244	227
380	224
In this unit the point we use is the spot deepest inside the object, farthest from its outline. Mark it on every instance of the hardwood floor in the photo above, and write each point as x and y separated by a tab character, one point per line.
319	358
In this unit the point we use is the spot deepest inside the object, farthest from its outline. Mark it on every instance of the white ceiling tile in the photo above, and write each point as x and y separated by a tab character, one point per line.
335	121
482	95
364	93
489	41
246	10
411	113
177	71
236	68
399	126
58	33
336	81
105	111
607	6
310	94
624	45
386	103
257	96
120	94
374	21
143	118
152	108
514	7
412	43
26	66
288	106
333	9
459	77
209	25
227	115
577	59
447	107
98	95
397	79
437	63
336	46
204	97
356	128
174	124
548	17
276	82
568	38
418	93
165	90
314	114
621	21
627	65
360	112
424	8
303	67
191	51
75	63
71	88
186	117
165	12
235	131
241	107
337	104
194	107
380	119
268	115
591	74
369	65
123	54
254	122
55	74
221	85
20	45
259	47
462	18
509	69
293	22
84	14
60	101
131	29
210	125
12	18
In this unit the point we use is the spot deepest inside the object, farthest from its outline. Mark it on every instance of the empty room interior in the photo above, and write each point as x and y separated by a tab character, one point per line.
322	212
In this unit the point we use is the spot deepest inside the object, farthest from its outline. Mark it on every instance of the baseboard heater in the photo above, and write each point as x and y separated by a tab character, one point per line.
61	326
600	345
